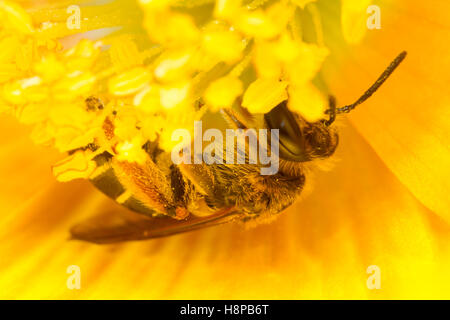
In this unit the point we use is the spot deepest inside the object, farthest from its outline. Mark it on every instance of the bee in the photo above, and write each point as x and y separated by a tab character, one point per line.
177	198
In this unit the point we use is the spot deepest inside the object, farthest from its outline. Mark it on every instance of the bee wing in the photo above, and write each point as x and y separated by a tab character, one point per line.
123	225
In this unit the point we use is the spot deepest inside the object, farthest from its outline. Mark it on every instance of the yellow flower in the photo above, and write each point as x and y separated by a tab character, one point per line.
383	204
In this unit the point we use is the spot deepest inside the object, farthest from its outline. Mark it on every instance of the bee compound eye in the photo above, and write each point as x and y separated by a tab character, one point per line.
290	135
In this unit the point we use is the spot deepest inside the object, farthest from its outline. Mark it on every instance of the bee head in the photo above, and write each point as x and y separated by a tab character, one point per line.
300	140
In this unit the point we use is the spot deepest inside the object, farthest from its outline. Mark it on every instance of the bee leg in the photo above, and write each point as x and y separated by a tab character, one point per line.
200	176
143	188
150	186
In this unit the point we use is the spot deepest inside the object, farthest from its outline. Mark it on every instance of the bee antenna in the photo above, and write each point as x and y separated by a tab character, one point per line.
381	79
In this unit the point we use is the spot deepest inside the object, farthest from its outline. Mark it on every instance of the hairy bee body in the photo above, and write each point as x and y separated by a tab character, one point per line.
200	189
192	196
182	197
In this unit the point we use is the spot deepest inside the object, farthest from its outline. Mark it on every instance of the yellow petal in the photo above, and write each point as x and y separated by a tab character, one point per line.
407	121
316	249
